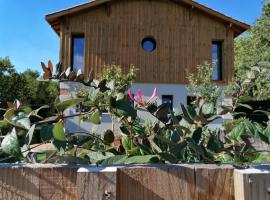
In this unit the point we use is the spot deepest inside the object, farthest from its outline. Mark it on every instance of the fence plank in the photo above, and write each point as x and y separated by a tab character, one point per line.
252	184
58	183
156	183
97	183
46	182
214	182
18	183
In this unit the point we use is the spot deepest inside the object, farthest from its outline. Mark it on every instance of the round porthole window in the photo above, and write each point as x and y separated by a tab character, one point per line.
149	44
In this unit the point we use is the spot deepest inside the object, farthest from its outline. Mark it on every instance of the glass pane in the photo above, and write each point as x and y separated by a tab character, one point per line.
78	53
149	44
216	61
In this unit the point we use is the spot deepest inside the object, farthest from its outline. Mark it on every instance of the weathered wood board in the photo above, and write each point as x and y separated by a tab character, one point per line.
252	184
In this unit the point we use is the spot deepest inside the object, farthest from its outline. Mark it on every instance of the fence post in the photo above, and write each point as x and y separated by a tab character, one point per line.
96	183
253	183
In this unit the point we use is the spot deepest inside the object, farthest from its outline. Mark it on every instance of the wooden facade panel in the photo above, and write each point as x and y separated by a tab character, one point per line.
113	34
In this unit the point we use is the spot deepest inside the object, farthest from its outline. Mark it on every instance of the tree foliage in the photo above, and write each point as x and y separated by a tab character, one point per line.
253	49
24	86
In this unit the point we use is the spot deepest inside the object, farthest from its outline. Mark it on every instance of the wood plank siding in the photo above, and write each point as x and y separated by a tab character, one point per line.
113	33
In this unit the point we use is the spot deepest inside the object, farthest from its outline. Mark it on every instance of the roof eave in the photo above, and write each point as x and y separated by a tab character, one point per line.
54	18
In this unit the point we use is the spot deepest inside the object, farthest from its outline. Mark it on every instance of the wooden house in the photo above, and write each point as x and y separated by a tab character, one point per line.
162	38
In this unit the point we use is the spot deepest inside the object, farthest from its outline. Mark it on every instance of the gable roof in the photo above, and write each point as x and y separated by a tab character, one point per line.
54	18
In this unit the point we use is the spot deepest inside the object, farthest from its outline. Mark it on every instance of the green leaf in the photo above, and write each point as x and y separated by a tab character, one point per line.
25	150
250	127
118	159
124	130
265	136
197	134
168	157
127	144
237	132
244	105
208	108
186	115
95	117
142	159
138	129
46	132
10	144
24	122
3	123
96	157
60	145
9	114
58	132
68	103
162	112
123	108
30	134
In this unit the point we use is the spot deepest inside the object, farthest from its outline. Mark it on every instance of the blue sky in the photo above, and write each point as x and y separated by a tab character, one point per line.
27	39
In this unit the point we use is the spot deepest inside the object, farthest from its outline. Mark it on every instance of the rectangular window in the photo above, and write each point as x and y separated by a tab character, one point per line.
217	60
77	57
168	99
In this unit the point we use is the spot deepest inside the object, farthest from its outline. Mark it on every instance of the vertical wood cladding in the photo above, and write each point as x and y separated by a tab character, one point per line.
113	34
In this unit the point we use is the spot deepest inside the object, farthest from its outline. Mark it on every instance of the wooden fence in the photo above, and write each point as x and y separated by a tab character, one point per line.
145	182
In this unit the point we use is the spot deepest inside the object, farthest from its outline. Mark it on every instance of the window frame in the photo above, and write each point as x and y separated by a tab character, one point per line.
76	35
219	44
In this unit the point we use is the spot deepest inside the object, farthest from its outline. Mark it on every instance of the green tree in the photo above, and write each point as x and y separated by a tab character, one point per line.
24	86
253	49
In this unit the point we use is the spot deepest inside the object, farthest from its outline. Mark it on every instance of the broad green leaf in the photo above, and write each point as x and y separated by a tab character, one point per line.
162	112
58	132
21	119
265	135
197	134
116	160
60	145
168	157
196	148
186	115
9	114
3	123
30	134
96	157
127	144
123	108
124	130
46	132
237	132
27	110
95	117
244	105
10	144
142	159
25	150
41	156
138	129
250	127
208	108
24	122
68	103
155	147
